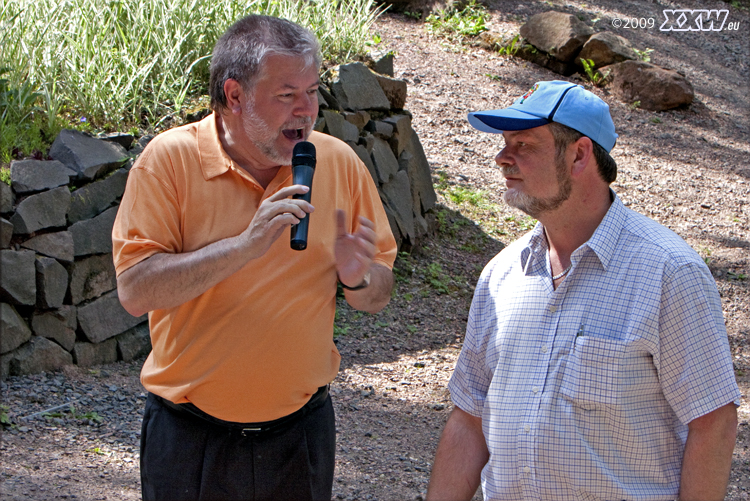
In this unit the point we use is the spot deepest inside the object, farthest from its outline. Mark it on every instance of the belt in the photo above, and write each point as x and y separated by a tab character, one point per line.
246	429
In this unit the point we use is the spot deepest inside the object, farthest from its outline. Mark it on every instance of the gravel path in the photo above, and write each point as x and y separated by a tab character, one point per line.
688	169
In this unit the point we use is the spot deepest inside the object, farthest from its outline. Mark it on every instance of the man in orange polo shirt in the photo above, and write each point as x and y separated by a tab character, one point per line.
241	325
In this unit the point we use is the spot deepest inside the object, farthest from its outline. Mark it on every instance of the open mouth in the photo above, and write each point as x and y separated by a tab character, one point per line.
293	134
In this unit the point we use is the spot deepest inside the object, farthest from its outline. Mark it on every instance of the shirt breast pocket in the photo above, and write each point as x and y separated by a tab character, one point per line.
592	371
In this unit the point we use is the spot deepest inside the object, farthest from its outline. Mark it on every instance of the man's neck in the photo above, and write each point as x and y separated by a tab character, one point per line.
263	175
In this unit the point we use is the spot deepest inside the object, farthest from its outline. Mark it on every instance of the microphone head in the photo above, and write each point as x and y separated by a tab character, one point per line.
303	154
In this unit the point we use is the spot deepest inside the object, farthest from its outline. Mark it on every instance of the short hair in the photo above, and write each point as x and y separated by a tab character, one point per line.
241	51
564	136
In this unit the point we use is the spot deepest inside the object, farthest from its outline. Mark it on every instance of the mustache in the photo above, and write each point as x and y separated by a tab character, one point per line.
300	123
510	170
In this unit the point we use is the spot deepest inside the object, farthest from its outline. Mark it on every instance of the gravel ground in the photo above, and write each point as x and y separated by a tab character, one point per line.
687	169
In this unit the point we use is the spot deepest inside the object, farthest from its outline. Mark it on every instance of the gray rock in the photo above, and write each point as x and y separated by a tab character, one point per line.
6	198
363	155
384	160
414	161
331	101
319	125
41	211
358	118
402	132
88	354
383	63
558	34
391	215
380	129
322	104
394	90
58	325
5	365
13	327
105	317
94	236
6	233
121	138
38	175
338	126
398	195
356	88
38	355
94	198
18	277
58	245
91	277
531	54
657	89
87	156
606	48
134	343
51	283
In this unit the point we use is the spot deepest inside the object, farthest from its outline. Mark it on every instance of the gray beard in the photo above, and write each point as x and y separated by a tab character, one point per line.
534	206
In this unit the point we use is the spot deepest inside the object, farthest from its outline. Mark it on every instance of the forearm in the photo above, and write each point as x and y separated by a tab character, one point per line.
166	280
707	460
460	457
375	296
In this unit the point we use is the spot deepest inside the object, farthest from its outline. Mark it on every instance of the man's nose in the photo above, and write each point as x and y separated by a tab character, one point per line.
502	158
307	105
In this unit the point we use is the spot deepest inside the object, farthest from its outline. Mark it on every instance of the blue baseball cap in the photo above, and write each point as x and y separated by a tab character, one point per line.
556	101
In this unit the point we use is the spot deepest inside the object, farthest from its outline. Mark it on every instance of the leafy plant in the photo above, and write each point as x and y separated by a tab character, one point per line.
634	105
453	23
511	47
596	77
5	175
4	418
437	278
644	55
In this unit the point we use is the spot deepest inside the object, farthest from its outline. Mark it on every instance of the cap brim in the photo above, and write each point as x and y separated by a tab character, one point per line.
498	121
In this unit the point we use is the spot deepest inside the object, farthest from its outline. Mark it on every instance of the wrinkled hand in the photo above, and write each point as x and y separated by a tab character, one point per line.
275	214
354	252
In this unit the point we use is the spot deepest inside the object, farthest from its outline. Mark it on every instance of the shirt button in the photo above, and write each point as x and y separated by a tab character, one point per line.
535	389
544	348
526	469
553	308
527	428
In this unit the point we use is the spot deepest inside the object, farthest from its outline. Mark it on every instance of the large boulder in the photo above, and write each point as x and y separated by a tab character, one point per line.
94	236
398	198
6	233
13	329
90	158
105	317
337	126
134	343
656	88
43	210
38	355
394	89
88	354
91	277
559	35
58	325
606	48
357	88
38	175
58	245
18	276
6	198
385	162
51	283
95	198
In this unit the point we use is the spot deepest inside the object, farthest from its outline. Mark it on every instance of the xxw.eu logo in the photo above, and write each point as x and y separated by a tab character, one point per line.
696	20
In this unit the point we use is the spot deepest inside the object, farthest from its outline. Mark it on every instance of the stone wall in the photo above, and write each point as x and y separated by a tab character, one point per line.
58	296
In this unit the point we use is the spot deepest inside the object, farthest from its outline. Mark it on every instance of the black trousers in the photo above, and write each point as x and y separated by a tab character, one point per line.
186	457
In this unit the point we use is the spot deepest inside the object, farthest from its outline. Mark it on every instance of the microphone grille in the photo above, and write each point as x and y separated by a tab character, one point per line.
303	154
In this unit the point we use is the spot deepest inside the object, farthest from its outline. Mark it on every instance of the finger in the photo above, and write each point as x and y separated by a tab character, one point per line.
363	221
296	206
288	191
340	223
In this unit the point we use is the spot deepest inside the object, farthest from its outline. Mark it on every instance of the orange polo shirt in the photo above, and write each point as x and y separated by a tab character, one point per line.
257	345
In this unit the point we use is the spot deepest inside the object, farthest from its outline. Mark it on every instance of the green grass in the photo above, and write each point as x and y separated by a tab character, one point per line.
122	63
456	24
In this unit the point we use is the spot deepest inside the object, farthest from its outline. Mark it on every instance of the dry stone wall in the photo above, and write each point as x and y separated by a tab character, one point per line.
58	292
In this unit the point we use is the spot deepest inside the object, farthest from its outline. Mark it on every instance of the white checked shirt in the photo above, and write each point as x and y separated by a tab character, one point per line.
585	392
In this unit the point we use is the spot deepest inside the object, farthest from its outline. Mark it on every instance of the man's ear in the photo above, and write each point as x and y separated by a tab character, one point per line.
584	153
235	95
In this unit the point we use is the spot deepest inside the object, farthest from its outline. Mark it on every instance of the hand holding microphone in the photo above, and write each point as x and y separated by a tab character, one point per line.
303	168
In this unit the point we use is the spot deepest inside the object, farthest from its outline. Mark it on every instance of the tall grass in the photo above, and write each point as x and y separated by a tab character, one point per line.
118	63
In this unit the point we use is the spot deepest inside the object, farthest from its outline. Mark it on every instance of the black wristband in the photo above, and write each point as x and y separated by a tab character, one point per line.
365	283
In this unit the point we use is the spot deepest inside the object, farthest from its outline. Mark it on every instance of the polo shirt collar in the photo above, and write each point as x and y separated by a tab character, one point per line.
214	160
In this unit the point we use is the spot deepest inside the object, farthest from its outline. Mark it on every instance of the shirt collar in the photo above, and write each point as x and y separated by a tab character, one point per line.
602	242
214	160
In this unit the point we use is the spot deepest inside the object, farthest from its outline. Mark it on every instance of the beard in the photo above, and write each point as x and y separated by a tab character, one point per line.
536	206
264	137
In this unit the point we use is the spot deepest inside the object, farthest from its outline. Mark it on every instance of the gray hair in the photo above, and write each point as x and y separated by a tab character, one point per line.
565	136
241	51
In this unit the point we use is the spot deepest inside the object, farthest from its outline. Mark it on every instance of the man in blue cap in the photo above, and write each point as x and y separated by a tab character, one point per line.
596	364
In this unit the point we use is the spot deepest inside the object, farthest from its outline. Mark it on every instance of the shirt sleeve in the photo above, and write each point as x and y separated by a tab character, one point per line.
472	377
695	365
148	220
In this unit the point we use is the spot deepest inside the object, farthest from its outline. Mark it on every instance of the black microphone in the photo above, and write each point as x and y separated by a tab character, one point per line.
303	168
